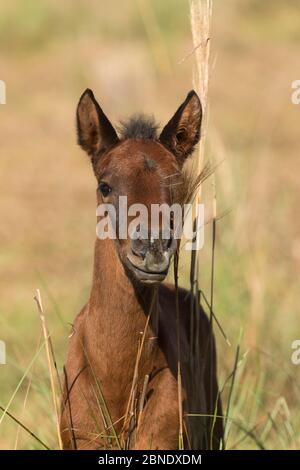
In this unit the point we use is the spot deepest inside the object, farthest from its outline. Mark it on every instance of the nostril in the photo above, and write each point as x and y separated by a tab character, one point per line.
169	243
138	248
139	254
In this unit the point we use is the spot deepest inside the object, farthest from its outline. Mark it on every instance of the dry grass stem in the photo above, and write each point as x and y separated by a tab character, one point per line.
50	361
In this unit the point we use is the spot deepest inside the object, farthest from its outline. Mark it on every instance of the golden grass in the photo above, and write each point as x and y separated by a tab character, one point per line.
51	362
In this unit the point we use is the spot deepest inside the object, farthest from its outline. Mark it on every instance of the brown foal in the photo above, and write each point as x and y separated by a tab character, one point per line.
121	375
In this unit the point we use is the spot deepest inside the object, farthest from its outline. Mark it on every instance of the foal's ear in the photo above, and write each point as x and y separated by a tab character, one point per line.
95	132
182	132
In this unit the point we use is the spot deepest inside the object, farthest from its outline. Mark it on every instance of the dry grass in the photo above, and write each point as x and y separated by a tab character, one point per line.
51	362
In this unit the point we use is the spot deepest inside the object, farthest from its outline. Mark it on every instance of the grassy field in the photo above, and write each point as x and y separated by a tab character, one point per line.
132	57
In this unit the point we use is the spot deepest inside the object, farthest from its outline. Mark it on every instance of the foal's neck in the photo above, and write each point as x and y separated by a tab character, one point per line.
115	319
117	308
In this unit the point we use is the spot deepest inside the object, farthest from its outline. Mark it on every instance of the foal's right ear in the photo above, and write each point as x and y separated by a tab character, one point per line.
182	132
95	132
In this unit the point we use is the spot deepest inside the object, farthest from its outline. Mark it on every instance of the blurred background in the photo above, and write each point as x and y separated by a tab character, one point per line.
136	56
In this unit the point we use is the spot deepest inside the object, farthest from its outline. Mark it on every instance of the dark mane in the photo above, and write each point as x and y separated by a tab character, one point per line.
139	127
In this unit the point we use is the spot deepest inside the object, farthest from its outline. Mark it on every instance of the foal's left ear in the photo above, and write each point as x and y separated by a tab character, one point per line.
182	132
95	132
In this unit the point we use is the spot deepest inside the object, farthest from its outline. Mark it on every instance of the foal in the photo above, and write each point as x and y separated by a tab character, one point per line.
121	374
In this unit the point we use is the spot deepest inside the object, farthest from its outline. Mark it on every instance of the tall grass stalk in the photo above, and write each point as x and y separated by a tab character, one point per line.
179	378
51	362
201	14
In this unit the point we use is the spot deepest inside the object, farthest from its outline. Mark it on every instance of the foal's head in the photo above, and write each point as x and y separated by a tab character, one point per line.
146	168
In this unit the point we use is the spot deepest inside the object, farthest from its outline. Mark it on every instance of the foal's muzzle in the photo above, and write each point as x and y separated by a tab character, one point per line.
150	256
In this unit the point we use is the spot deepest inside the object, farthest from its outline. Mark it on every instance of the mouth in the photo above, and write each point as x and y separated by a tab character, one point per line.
145	276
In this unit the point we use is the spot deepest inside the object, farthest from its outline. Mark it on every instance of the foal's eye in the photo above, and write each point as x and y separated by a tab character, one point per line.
104	189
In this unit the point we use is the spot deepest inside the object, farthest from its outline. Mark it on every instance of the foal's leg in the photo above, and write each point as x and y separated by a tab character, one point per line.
159	422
